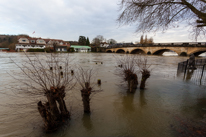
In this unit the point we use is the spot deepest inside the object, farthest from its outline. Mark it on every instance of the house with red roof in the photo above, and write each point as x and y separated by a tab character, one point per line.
26	42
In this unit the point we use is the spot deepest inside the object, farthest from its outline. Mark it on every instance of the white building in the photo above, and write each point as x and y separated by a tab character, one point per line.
30	43
79	48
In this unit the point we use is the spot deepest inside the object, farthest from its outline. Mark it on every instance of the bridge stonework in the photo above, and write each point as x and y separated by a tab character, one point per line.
158	50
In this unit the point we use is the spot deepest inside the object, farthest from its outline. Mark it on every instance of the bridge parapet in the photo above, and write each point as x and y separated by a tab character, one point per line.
202	44
159	50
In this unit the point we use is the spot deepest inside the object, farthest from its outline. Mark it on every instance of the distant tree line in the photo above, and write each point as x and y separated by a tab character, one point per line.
8	41
95	42
146	40
100	39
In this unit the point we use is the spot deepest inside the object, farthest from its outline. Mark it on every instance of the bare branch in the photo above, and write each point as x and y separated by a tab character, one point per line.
152	15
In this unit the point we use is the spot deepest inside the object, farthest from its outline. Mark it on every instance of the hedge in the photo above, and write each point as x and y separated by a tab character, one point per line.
35	50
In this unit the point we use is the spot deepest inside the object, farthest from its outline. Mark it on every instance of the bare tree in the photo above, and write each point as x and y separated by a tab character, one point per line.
97	40
153	15
47	79
111	41
127	70
150	40
130	66
85	78
143	66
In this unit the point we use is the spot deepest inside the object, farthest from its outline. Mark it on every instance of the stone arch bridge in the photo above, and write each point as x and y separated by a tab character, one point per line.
181	50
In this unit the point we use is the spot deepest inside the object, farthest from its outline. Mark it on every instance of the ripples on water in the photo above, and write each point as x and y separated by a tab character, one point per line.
150	112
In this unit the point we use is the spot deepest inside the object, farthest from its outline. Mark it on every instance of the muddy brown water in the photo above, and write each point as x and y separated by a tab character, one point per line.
150	112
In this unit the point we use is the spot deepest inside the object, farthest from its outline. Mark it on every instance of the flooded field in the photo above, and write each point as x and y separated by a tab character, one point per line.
168	107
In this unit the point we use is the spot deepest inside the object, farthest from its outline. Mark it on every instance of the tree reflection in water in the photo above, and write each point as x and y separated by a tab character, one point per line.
87	123
128	102
142	99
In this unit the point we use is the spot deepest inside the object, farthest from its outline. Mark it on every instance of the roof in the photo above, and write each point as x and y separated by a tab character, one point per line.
80	46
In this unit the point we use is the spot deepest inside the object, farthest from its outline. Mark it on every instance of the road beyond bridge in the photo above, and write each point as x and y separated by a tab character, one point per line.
159	49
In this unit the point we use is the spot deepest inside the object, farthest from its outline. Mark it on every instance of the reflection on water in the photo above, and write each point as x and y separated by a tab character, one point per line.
197	110
189	74
142	99
86	120
115	112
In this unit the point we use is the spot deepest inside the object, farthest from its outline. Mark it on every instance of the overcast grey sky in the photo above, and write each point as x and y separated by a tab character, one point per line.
68	19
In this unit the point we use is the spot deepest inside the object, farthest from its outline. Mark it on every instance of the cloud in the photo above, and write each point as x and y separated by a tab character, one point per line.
68	19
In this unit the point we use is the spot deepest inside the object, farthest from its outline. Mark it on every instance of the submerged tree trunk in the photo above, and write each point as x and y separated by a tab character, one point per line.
145	76
53	115
86	97
132	81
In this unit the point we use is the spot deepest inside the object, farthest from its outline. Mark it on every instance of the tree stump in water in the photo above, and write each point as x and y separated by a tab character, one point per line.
145	76
54	115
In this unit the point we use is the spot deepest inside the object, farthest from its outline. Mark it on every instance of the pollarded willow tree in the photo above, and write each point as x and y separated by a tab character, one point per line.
127	70
129	67
144	69
47	79
153	15
85	78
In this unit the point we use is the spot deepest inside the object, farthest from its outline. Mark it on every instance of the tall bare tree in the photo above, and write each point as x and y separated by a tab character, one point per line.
111	41
153	15
97	40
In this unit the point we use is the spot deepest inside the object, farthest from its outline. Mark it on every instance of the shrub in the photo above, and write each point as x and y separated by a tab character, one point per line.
35	50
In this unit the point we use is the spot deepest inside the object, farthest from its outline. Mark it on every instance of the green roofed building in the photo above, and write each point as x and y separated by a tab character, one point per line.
80	48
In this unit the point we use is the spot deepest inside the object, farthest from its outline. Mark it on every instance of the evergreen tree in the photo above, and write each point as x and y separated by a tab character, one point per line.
82	40
88	42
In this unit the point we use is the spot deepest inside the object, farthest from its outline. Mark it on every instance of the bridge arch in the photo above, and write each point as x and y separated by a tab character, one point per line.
183	54
149	53
137	51
198	52
120	51
109	51
161	51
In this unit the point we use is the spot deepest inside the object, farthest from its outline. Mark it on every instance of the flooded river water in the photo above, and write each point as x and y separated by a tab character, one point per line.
167	103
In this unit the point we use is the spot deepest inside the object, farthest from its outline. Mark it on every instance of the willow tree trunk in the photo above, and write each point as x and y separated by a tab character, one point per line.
133	83
131	79
145	76
86	97
54	114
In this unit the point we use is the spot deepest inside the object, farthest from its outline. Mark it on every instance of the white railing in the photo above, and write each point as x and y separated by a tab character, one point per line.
30	47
